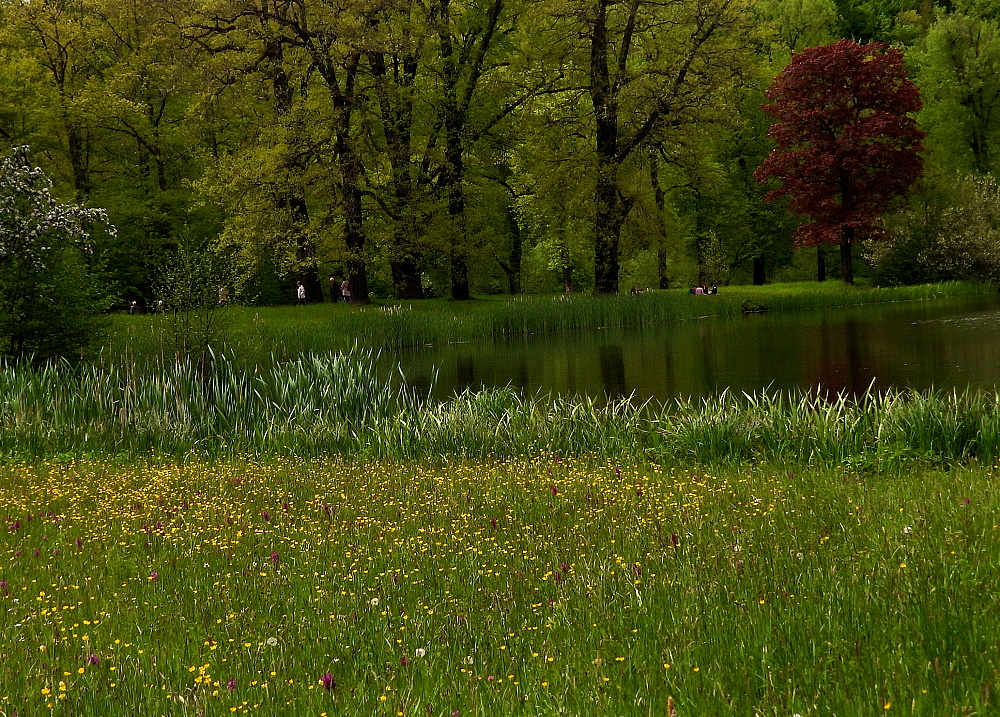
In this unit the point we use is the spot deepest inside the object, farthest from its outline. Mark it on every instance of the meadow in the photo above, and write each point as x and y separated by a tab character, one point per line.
539	586
302	537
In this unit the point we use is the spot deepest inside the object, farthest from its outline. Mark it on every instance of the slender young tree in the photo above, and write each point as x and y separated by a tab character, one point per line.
846	142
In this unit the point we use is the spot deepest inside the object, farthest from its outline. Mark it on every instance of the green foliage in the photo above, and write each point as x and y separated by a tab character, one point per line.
959	76
196	292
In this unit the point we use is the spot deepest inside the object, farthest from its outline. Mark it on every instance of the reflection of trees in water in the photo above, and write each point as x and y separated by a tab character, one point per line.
709	359
612	360
840	367
465	372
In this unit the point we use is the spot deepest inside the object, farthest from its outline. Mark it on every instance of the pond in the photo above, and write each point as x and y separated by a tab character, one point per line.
945	344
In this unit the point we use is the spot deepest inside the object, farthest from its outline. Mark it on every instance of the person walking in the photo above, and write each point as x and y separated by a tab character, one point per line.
300	293
345	290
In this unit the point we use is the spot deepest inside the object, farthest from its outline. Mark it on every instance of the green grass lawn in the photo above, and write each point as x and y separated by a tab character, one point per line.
532	587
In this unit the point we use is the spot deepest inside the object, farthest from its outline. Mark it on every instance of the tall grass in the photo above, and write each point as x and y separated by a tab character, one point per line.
339	404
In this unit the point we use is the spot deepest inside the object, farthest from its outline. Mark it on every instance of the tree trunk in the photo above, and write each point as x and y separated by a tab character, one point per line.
396	105
660	201
759	271
661	268
608	202
455	111
820	262
846	260
292	199
350	178
514	258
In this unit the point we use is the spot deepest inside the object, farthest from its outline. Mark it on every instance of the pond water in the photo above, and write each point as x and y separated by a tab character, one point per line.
946	343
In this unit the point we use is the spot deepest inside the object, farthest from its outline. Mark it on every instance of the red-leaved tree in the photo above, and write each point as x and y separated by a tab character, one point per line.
845	141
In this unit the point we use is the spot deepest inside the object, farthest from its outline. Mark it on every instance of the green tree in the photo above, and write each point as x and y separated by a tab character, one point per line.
960	81
648	68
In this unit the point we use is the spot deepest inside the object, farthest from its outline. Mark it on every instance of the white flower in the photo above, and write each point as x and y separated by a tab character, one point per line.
373	602
468	659
420	652
907	530
272	641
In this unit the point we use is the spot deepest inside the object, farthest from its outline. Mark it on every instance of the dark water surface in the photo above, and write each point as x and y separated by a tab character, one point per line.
945	343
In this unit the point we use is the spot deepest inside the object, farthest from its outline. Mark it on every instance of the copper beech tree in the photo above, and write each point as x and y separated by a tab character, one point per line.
845	141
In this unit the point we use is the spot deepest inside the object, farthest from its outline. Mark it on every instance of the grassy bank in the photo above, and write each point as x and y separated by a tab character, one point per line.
529	587
338	404
260	335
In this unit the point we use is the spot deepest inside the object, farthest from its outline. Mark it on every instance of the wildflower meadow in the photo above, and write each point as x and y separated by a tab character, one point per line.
537	586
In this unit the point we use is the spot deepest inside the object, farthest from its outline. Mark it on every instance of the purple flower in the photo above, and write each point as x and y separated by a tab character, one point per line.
15	526
154	575
274	558
93	659
231	685
266	516
493	522
79	543
329	682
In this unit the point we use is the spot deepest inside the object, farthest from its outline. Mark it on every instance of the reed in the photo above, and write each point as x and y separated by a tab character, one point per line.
341	404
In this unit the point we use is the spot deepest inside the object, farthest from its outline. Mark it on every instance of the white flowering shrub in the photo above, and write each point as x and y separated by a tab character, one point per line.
953	232
50	306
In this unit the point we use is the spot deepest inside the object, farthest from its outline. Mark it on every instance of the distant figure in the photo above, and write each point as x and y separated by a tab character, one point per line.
334	290
700	291
134	308
345	290
635	290
714	289
300	293
223	295
159	306
692	290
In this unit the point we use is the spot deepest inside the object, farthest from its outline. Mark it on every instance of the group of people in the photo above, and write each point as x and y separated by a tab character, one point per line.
701	289
339	291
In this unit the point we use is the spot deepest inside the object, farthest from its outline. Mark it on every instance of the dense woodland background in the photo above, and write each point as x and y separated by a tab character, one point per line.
461	147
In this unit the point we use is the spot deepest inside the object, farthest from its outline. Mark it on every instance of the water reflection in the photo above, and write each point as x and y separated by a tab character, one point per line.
944	344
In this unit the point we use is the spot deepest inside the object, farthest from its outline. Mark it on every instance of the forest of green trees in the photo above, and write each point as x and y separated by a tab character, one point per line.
463	147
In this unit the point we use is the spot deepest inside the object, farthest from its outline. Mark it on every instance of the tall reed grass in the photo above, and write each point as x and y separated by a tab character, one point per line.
340	404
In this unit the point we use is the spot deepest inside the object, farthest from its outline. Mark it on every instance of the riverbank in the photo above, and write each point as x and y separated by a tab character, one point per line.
539	586
261	335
